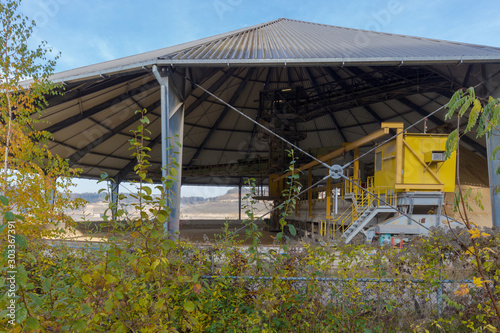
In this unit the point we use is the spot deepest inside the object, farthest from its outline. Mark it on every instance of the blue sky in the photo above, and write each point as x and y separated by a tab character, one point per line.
90	31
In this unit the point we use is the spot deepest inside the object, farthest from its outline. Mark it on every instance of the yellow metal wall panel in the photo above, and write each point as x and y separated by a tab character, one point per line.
385	165
417	175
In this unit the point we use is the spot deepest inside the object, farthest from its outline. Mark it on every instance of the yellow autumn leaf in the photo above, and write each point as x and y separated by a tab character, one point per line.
155	263
491	328
86	279
462	290
478	282
488	249
474	233
485	234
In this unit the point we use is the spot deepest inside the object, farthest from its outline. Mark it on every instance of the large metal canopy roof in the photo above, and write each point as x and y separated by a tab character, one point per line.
346	82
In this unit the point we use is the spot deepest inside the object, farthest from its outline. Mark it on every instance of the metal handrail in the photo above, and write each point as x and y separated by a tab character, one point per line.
365	203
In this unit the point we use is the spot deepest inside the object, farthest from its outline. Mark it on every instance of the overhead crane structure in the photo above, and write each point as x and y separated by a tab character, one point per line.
312	84
405	194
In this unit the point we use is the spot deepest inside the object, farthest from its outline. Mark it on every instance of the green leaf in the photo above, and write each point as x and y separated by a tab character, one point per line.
286	248
21	275
2	227
21	314
184	278
86	309
57	314
451	144
108	306
9	216
189	306
46	284
32	323
110	278
80	325
161	218
453	104
292	229
465	106
148	190
471	92
173	172
4	200
36	299
3	313
21	241
474	114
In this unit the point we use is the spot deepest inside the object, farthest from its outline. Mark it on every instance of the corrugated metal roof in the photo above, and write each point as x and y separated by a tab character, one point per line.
292	42
290	39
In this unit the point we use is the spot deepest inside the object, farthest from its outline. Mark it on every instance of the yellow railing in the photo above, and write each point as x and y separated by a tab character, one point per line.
361	203
385	196
362	200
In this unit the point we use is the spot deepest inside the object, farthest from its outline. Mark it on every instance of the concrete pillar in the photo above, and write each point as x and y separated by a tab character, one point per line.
172	125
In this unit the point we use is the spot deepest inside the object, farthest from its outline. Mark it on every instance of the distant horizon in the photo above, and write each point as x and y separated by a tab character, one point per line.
85	185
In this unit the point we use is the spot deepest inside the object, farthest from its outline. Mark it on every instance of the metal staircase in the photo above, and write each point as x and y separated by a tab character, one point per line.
364	209
364	221
359	223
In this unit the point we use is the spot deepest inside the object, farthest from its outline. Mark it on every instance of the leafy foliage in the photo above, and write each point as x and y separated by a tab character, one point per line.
484	116
36	180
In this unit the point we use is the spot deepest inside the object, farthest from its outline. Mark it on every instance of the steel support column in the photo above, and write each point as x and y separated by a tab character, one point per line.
114	187
239	199
172	125
493	141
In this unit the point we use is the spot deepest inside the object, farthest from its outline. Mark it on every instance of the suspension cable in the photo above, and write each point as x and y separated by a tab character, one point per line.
257	123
